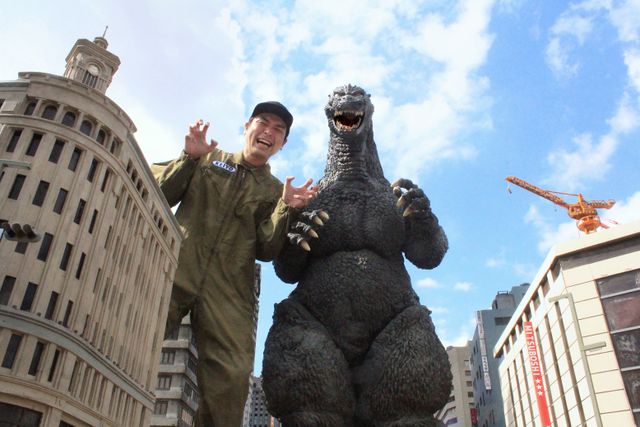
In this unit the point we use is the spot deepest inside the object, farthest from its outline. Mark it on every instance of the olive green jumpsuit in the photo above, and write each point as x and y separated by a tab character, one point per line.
231	214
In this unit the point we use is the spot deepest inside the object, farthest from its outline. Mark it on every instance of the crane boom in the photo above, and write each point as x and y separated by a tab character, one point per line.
584	211
536	190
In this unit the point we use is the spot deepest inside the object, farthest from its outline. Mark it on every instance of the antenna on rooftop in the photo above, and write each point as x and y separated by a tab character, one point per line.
105	31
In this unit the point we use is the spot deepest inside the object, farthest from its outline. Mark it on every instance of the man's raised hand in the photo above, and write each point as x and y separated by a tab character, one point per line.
298	197
195	141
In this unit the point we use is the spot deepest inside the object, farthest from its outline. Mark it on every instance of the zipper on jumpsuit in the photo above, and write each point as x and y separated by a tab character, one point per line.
239	179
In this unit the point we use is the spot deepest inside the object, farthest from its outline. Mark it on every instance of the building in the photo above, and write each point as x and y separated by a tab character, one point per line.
570	355
460	408
258	415
176	390
82	311
484	367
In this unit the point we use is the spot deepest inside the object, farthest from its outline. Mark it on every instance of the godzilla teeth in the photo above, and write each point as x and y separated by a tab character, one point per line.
348	120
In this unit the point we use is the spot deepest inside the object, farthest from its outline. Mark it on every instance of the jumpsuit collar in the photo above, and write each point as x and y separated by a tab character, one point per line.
259	173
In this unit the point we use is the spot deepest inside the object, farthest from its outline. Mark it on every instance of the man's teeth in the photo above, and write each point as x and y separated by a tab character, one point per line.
262	141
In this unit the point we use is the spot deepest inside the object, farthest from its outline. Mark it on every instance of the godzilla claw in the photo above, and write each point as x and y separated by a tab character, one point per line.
299	241
302	231
411	199
317	216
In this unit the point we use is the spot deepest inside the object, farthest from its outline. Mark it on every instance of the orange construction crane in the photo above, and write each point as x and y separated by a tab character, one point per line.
584	212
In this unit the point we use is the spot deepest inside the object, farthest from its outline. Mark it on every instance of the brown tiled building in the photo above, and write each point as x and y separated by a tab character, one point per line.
82	311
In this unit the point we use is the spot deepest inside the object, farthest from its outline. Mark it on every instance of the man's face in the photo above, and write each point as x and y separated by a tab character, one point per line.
264	135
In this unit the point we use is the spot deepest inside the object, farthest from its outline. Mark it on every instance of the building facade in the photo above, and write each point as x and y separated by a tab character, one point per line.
460	408
484	367
82	311
177	387
570	355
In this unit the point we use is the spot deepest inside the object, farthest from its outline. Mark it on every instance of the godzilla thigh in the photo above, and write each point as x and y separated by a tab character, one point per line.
306	378
406	376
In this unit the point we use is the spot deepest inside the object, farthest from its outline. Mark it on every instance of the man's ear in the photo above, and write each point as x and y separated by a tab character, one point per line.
284	143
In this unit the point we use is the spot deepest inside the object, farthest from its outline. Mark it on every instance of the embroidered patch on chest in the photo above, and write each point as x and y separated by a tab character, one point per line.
223	165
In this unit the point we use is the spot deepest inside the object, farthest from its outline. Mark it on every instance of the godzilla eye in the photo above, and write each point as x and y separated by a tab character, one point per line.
358	93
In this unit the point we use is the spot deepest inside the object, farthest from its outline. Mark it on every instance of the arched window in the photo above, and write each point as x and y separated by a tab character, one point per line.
86	127
102	135
49	112
30	108
69	119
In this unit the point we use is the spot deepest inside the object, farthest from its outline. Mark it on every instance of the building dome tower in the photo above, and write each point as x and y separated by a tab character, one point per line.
90	63
82	310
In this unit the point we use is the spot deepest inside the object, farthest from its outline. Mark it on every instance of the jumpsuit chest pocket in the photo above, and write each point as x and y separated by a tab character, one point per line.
218	179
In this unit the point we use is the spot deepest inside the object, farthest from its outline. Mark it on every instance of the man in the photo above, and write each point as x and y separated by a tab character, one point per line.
232	211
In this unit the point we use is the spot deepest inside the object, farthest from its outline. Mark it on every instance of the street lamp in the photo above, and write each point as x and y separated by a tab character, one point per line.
17	232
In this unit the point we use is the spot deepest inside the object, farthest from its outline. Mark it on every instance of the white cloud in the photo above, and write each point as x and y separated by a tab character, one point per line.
625	18
439	310
549	233
428	283
624	211
632	60
461	337
463	286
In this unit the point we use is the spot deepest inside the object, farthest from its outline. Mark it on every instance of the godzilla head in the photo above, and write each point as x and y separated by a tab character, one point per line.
349	111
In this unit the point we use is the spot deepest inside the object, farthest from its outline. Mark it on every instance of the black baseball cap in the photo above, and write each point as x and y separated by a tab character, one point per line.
274	107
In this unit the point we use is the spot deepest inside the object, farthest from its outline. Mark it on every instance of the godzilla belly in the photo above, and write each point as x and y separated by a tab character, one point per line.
354	295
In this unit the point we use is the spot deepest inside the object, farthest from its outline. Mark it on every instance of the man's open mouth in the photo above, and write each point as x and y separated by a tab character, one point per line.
264	142
347	120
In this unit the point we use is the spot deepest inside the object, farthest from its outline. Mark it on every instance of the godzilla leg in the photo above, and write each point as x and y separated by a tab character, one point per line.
405	377
305	376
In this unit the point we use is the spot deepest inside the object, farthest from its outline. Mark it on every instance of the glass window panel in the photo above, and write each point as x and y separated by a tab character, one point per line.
619	282
627	345
622	311
632	384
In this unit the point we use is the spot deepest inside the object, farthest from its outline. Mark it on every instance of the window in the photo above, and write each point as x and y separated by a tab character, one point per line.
105	180
35	360
164	382
13	142
78	216
500	321
30	109
34	144
62	197
192	364
101	137
115	146
49	112
54	364
21	247
12	350
41	192
67	313
29	295
53	300
92	170
69	119
75	159
80	265
64	261
18	182
86	127
160	408
45	246
93	220
58	146
167	357
90	79
7	288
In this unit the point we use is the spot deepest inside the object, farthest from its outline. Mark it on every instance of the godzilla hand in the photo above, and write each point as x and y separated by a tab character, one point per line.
303	230
411	199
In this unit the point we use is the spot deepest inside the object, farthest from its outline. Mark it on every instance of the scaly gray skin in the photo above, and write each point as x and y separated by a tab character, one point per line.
351	345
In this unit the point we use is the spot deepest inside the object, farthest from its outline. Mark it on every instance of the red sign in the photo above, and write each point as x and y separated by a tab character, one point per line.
538	382
474	416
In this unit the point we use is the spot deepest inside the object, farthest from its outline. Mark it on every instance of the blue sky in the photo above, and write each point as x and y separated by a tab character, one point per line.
465	92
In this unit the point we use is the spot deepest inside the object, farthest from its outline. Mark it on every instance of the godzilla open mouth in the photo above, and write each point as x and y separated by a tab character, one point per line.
348	120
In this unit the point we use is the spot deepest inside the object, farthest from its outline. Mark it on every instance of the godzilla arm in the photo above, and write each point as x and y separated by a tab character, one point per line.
425	243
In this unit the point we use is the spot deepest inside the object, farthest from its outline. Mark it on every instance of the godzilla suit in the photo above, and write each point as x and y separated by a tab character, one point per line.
351	345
